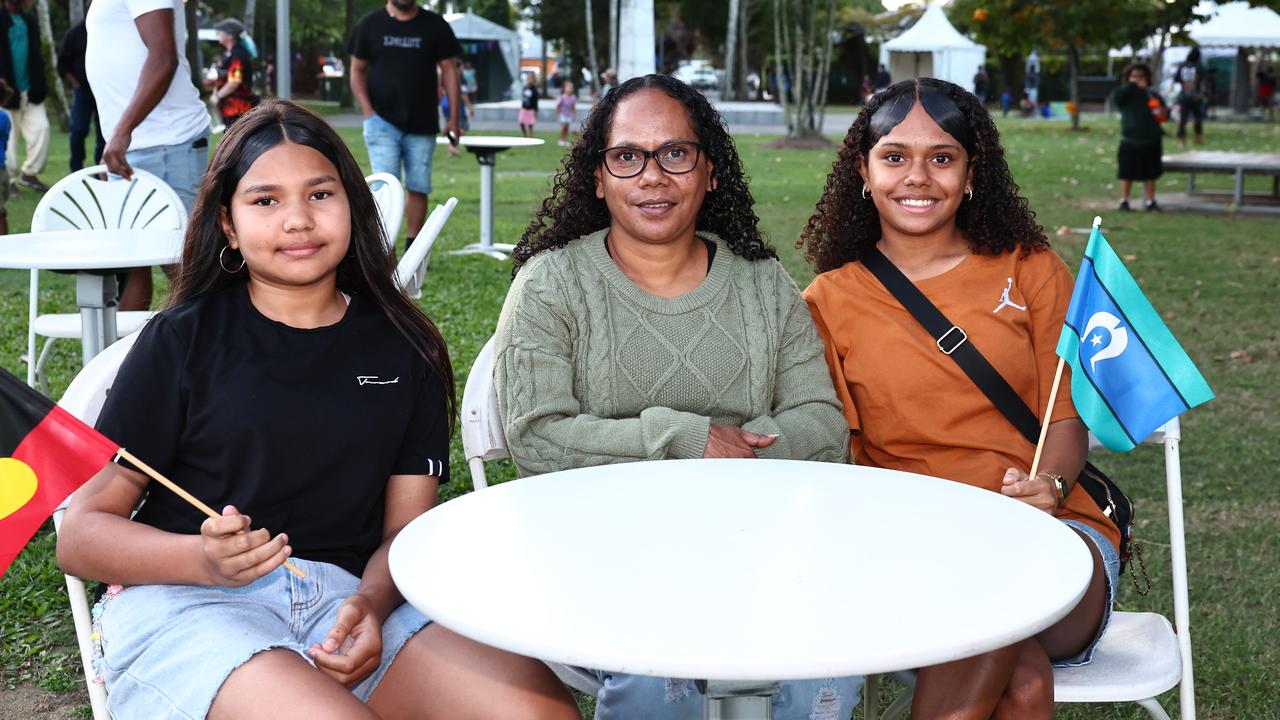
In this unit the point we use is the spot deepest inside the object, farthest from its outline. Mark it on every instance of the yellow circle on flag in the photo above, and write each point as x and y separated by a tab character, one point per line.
17	485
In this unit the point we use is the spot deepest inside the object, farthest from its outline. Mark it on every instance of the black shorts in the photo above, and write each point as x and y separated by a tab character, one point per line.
1140	161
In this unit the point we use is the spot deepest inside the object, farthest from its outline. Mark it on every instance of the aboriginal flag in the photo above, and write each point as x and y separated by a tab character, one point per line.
45	454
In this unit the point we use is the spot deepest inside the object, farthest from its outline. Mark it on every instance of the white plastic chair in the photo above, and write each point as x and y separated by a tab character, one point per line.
80	201
84	399
388	195
483	439
412	268
1140	655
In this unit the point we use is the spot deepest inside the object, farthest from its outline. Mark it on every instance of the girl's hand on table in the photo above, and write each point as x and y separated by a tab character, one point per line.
1037	492
729	441
353	648
234	555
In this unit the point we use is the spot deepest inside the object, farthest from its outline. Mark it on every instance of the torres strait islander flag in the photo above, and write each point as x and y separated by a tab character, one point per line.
45	454
1129	375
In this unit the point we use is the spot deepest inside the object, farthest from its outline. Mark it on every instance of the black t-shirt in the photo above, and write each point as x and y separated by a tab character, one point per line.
529	97
402	56
299	429
236	65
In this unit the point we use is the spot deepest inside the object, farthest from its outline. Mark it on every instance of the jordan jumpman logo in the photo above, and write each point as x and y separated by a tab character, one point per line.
1006	302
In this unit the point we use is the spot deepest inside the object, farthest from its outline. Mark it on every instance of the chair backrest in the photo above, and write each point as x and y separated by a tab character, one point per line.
81	201
419	253
388	195
482	435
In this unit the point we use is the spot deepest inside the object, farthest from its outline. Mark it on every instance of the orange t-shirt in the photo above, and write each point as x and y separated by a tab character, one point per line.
911	407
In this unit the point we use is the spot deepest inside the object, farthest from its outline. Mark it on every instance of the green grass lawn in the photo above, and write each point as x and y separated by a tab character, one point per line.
1215	278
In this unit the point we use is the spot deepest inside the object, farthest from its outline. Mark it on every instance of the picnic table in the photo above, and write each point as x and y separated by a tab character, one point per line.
1239	164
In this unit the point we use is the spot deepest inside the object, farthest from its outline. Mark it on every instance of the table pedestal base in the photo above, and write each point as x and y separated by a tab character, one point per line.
732	700
497	251
96	296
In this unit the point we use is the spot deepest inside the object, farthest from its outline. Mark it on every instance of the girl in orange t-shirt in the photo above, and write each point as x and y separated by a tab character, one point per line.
922	177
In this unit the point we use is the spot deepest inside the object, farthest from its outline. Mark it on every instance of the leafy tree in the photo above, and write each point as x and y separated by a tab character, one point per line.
498	11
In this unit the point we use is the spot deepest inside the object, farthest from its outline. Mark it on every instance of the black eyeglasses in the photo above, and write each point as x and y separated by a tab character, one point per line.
626	161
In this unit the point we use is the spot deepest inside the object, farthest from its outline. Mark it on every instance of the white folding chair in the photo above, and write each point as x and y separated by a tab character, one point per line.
483	439
388	195
80	201
412	268
1140	655
84	399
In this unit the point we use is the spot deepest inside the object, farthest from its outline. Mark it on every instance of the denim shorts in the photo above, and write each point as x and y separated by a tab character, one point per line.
168	648
392	149
182	166
626	696
1111	563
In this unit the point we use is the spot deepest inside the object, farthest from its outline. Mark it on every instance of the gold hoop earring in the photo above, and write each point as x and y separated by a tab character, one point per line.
866	192
222	260
968	193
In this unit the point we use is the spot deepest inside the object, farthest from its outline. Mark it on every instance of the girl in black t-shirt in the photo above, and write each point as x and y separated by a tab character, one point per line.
291	379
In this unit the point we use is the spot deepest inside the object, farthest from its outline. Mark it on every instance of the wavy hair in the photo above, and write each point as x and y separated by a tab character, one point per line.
573	210
368	270
997	220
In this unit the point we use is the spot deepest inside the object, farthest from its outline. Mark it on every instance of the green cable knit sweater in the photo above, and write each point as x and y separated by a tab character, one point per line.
590	369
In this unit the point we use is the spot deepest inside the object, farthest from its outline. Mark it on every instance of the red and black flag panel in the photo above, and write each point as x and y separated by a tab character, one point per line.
45	454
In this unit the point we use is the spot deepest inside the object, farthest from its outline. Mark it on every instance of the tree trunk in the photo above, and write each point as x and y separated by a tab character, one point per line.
779	55
1073	64
57	100
591	50
730	43
346	99
75	11
825	76
613	34
799	79
250	10
192	51
743	34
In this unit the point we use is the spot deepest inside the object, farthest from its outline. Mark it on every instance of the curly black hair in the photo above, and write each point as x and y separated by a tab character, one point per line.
997	220
573	210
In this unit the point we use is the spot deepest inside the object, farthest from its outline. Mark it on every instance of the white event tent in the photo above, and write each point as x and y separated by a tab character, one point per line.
498	72
1237	25
933	48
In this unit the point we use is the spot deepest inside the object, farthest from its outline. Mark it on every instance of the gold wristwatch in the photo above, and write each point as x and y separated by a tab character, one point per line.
1058	484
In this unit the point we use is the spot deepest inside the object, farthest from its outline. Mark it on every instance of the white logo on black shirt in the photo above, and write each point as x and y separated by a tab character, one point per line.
401	41
373	380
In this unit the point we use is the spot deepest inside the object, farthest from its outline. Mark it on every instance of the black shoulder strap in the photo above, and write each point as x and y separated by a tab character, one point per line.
951	340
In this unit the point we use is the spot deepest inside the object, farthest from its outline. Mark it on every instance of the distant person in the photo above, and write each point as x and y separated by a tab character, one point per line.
1006	101
1267	92
528	105
866	89
1142	111
233	94
397	54
6	127
22	67
1191	101
469	86
882	79
1031	83
980	84
609	79
151	112
84	109
566	106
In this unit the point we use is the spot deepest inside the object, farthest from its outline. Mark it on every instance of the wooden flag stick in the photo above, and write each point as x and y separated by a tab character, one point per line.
1048	417
193	499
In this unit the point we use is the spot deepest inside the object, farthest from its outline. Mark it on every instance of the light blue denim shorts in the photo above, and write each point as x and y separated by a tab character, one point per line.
392	149
1111	563
624	697
168	648
182	165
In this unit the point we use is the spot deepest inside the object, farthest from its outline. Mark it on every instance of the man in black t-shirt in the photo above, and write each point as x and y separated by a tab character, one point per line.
395	52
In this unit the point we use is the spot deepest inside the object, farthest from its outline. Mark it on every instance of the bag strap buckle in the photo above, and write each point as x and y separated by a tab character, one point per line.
943	346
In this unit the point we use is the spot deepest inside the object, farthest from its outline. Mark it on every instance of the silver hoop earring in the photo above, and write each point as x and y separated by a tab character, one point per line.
866	192
222	260
968	193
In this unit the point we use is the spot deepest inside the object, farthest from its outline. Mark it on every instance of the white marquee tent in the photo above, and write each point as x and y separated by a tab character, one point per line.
498	74
1238	25
933	48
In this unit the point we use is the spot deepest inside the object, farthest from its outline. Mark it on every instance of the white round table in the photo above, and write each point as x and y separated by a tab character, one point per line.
740	569
87	250
486	149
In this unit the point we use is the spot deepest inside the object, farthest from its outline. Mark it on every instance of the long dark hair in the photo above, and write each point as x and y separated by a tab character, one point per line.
573	210
997	220
369	266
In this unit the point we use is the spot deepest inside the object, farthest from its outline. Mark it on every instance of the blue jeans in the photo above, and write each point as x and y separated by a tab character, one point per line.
83	109
181	166
624	697
392	149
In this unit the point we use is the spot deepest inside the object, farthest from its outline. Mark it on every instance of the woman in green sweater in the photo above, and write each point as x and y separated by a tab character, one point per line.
1141	139
648	319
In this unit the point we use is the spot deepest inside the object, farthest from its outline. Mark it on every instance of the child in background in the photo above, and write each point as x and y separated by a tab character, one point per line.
529	105
564	110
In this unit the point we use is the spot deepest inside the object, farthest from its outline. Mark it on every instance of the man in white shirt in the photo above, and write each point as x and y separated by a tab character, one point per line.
150	110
